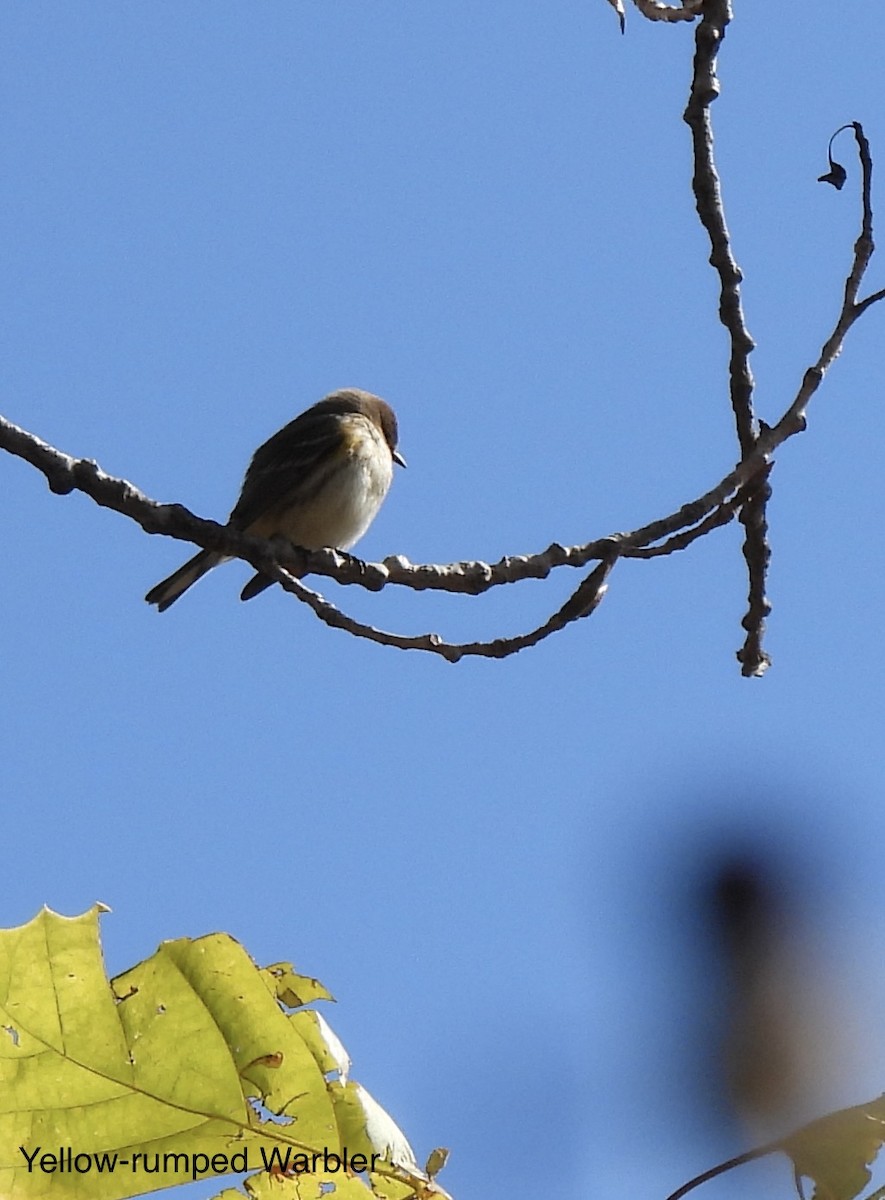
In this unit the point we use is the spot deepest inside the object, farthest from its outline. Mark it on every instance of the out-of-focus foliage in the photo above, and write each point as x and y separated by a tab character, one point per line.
835	1152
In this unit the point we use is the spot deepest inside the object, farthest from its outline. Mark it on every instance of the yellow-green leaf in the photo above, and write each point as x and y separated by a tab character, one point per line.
186	1066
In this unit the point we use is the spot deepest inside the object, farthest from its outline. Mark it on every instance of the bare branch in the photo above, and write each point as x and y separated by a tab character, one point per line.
744	490
286	563
66	474
863	305
721	1168
655	10
710	207
757	554
583	601
718	517
752	657
864	246
794	419
618	6
659	10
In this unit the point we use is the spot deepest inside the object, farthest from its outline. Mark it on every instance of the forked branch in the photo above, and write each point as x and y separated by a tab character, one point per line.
744	491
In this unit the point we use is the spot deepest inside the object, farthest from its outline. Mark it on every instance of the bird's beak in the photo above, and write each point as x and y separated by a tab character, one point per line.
398	458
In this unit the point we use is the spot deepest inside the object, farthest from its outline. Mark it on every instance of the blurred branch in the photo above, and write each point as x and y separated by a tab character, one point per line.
835	1151
721	1168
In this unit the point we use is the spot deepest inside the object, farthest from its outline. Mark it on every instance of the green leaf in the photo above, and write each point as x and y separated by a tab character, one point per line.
836	1151
293	989
190	1053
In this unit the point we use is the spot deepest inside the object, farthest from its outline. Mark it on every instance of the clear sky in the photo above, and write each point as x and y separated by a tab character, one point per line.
213	214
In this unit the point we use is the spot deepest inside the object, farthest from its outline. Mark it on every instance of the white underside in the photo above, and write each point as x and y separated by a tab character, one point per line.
341	513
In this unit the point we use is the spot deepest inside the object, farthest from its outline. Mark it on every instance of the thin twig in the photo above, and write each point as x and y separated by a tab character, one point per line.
583	601
794	419
681	541
721	1168
752	657
811	1149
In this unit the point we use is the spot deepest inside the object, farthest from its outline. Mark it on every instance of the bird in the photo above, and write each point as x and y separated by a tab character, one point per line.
319	481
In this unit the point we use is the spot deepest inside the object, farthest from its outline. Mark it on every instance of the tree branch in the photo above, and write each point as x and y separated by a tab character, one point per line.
721	1168
583	601
656	10
285	563
794	419
708	199
711	210
65	474
744	490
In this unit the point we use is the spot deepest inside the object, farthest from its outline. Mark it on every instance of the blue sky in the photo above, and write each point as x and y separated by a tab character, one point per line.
211	216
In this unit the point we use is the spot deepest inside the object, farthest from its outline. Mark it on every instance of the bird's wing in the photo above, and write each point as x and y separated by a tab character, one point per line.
294	463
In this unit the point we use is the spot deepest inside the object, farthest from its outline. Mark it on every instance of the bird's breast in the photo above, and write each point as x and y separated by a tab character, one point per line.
356	480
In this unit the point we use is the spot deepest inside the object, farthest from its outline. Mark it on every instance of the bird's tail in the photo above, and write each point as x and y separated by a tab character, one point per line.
255	585
179	581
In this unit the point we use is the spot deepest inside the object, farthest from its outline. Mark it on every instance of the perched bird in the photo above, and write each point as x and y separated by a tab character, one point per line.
319	482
